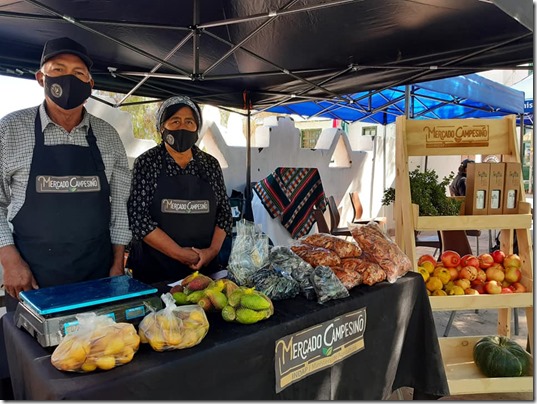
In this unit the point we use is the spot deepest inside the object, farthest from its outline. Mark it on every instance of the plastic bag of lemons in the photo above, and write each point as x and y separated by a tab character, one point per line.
98	343
174	327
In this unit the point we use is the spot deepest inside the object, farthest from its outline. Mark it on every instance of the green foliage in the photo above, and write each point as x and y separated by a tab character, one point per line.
143	114
428	193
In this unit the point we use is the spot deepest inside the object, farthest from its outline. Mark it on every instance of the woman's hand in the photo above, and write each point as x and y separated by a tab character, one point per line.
189	256
206	255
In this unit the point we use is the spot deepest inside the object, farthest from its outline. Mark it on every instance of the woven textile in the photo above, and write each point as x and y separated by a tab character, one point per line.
290	194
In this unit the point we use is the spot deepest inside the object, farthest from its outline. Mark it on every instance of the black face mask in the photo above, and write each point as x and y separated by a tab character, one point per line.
181	140
67	91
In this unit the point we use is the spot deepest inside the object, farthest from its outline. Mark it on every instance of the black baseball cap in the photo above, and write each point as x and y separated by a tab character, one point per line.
54	47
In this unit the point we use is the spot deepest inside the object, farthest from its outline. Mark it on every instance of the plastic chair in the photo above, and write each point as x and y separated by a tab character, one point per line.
358	210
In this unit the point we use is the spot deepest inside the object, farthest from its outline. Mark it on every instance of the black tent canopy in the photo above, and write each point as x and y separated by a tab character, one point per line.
269	52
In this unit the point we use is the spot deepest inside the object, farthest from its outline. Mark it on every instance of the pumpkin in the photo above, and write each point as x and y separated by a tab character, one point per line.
498	356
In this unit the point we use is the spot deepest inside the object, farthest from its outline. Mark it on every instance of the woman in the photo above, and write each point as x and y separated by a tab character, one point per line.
179	212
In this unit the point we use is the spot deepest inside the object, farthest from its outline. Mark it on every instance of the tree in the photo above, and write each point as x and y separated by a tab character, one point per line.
143	114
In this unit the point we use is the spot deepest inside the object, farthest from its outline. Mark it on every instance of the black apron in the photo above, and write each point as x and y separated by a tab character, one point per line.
184	207
63	229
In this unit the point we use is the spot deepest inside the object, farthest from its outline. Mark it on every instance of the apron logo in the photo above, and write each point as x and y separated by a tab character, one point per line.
67	184
185	207
56	90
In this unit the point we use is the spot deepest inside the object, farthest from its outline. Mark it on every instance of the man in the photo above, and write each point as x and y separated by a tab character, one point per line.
65	178
458	185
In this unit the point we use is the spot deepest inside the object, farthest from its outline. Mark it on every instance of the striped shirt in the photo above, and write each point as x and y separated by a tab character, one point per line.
17	140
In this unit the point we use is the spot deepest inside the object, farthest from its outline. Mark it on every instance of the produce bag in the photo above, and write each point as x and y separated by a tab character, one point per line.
343	248
348	277
316	256
285	259
174	327
249	252
275	282
327	285
371	273
98	343
247	306
380	249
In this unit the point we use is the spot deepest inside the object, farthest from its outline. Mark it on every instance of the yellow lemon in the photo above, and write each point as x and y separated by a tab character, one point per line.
448	286
132	340
428	265
143	338
456	290
423	272
125	356
88	366
198	316
115	346
439	292
434	283
105	362
443	274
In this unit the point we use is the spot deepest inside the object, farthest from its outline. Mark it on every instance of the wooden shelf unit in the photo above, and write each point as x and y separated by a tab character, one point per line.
444	137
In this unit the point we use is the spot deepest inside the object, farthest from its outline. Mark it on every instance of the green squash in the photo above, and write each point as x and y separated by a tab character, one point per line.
498	356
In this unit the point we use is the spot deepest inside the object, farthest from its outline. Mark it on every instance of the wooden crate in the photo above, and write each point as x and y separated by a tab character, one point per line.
467	137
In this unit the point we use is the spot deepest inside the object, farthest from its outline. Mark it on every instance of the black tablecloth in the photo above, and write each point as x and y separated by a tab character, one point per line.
236	361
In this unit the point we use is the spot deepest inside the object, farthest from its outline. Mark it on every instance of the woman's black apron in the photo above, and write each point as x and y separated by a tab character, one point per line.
63	229
184	206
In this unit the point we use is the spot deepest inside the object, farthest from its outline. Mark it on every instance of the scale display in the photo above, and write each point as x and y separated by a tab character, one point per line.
62	298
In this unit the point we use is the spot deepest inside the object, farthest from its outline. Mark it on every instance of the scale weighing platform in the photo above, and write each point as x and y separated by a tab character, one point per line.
49	314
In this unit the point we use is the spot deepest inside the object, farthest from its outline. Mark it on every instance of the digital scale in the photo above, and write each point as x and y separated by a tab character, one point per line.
49	314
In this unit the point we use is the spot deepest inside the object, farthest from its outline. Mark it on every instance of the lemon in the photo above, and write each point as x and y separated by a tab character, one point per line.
443	274
439	292
115	346
428	265
143	338
105	362
125	356
434	283
198	316
132	340
448	286
456	290
88	366
423	272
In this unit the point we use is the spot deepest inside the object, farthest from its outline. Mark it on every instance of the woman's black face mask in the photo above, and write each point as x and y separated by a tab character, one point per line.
67	91
180	140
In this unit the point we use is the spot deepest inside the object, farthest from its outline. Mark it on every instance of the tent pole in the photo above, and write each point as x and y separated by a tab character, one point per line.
372	188
248	190
385	116
521	148
196	39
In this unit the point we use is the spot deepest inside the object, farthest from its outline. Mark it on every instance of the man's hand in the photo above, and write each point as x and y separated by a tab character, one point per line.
118	264
17	274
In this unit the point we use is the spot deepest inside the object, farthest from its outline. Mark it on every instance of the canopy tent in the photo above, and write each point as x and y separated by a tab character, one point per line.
526	86
470	96
261	53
